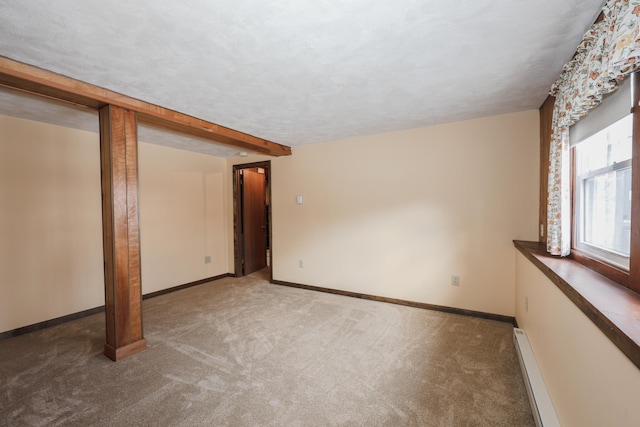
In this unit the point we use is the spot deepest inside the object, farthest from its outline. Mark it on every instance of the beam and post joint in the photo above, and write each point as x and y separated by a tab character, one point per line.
34	80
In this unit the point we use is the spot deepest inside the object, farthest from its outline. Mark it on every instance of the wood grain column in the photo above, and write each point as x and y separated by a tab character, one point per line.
120	228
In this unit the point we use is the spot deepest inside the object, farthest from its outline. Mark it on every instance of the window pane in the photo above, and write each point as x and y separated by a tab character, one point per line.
605	148
603	193
607	211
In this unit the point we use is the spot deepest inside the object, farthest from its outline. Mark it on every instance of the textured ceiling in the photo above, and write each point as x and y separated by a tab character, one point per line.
298	71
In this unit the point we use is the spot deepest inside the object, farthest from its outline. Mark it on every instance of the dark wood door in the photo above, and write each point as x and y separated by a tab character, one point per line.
254	221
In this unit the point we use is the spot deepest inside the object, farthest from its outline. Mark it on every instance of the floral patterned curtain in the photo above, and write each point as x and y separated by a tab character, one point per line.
609	51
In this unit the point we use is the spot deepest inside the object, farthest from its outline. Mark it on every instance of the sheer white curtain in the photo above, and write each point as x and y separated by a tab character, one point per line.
609	51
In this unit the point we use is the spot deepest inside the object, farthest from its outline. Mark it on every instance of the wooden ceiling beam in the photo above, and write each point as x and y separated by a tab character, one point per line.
38	81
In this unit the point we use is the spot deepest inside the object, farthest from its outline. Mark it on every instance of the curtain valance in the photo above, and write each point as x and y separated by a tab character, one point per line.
609	51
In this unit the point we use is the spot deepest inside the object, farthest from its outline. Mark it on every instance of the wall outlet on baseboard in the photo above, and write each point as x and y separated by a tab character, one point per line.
455	280
300	263
207	259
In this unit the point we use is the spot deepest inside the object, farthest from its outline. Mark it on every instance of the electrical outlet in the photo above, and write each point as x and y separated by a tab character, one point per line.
526	304
455	280
300	263
207	259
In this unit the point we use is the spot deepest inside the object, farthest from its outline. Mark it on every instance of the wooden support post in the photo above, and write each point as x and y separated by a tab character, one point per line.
120	225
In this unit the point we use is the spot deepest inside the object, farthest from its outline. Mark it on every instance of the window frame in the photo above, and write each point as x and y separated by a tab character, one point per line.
592	251
631	278
602	266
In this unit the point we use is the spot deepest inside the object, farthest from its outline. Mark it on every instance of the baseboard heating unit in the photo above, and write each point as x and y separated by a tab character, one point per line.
541	406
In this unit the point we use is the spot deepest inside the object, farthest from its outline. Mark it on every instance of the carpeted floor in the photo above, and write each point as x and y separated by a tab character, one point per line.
243	352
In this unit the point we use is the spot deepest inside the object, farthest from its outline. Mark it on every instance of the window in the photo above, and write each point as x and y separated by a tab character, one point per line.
602	154
602	213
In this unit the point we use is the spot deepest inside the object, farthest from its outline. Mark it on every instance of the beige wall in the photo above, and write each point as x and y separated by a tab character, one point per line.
182	216
397	214
590	381
393	215
51	223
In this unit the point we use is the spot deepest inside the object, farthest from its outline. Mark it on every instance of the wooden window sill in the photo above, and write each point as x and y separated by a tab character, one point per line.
614	309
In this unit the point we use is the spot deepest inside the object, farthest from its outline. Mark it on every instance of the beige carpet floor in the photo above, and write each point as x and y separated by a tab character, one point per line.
243	352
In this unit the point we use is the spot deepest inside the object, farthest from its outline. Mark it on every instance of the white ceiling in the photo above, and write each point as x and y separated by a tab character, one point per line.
297	71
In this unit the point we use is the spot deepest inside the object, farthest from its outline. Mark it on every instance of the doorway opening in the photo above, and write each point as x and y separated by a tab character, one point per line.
252	218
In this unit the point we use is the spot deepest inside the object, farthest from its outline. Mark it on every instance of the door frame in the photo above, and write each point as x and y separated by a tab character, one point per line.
237	215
